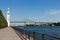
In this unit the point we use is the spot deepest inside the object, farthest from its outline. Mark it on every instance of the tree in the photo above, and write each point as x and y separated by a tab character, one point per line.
3	22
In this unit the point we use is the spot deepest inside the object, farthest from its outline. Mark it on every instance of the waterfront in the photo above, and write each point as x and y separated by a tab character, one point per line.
50	32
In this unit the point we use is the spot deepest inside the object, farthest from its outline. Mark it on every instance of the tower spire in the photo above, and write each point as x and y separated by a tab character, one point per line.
8	16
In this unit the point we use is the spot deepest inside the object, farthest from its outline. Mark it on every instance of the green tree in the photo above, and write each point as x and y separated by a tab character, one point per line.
3	22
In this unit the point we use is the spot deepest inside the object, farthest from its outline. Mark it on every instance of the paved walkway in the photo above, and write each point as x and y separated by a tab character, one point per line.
8	34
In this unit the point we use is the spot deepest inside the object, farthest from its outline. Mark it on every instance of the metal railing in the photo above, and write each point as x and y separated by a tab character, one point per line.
31	35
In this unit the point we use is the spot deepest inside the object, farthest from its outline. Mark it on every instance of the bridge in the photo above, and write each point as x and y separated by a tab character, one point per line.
21	23
27	21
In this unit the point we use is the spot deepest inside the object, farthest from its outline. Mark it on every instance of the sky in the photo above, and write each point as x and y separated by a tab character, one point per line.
35	10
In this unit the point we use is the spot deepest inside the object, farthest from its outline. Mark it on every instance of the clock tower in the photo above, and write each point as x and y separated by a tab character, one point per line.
8	16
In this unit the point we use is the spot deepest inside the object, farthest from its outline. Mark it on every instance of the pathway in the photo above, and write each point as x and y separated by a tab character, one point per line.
8	34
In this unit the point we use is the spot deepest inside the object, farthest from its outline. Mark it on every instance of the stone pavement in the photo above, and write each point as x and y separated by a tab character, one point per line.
8	34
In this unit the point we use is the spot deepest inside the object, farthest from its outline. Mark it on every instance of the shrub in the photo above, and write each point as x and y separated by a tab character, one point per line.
3	22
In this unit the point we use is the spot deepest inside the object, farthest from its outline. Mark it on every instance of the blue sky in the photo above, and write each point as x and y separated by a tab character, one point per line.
35	10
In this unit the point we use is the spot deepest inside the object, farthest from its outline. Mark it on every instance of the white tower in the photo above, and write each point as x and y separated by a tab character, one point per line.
8	16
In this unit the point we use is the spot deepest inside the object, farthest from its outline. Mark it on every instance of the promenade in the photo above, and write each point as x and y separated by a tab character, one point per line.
8	34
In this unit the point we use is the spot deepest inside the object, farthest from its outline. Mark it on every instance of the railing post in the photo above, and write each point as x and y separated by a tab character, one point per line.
42	36
34	35
27	35
31	35
24	35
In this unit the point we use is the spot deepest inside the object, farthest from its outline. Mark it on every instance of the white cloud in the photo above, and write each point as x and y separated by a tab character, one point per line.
36	17
52	11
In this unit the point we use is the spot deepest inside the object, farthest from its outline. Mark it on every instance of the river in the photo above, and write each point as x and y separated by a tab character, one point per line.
48	30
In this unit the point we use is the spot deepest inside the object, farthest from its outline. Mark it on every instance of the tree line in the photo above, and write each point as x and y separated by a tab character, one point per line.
3	22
